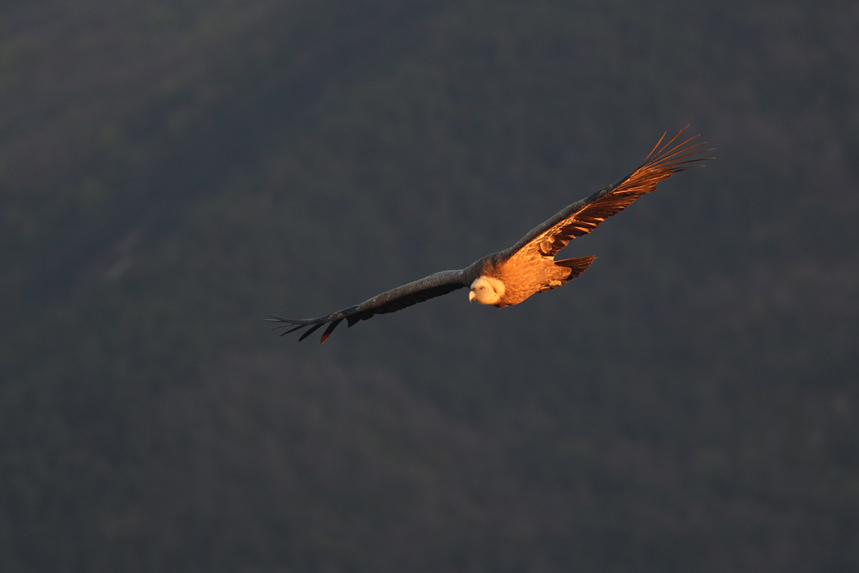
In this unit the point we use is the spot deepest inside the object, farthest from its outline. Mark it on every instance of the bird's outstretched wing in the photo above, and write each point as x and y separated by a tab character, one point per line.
393	300
584	216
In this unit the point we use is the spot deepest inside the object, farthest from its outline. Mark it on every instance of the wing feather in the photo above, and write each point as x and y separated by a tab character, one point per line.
584	216
393	300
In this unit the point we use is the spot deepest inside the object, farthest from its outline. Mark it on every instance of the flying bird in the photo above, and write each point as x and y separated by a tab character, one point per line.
510	276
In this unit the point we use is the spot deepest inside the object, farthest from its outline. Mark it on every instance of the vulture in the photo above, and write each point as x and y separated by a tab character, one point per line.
529	267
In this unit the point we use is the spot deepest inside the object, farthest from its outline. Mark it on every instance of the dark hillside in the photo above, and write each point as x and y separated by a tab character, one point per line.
170	173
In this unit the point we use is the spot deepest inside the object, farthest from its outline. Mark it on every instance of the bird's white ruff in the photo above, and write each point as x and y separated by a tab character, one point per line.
486	290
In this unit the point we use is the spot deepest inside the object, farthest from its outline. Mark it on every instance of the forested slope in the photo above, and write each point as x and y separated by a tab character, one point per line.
170	173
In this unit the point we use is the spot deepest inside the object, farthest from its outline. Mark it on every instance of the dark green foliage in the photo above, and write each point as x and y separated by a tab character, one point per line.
173	172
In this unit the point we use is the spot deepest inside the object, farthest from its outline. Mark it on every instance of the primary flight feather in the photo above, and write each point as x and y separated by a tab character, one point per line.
510	276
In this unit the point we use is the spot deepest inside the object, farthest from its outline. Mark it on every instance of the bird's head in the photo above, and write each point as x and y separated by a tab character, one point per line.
486	290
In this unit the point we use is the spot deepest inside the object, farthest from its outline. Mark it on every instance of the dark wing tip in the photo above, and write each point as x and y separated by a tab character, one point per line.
293	329
329	330
310	331
294	324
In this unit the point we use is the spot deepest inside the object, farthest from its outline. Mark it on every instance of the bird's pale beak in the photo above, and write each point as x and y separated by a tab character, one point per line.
471	296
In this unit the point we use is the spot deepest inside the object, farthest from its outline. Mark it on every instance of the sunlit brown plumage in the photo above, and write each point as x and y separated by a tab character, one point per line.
510	276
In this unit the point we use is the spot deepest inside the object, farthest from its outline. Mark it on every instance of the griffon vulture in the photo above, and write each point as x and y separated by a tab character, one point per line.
510	276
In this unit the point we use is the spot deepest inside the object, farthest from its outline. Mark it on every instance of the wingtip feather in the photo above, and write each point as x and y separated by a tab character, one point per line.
293	329
329	330
310	331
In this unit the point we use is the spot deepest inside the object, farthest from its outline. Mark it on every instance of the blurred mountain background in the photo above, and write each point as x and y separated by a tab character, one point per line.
172	172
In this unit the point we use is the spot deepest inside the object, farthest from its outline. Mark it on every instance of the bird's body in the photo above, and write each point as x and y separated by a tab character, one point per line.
510	276
514	279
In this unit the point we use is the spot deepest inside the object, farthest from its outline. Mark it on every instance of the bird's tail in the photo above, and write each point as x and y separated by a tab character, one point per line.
576	266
